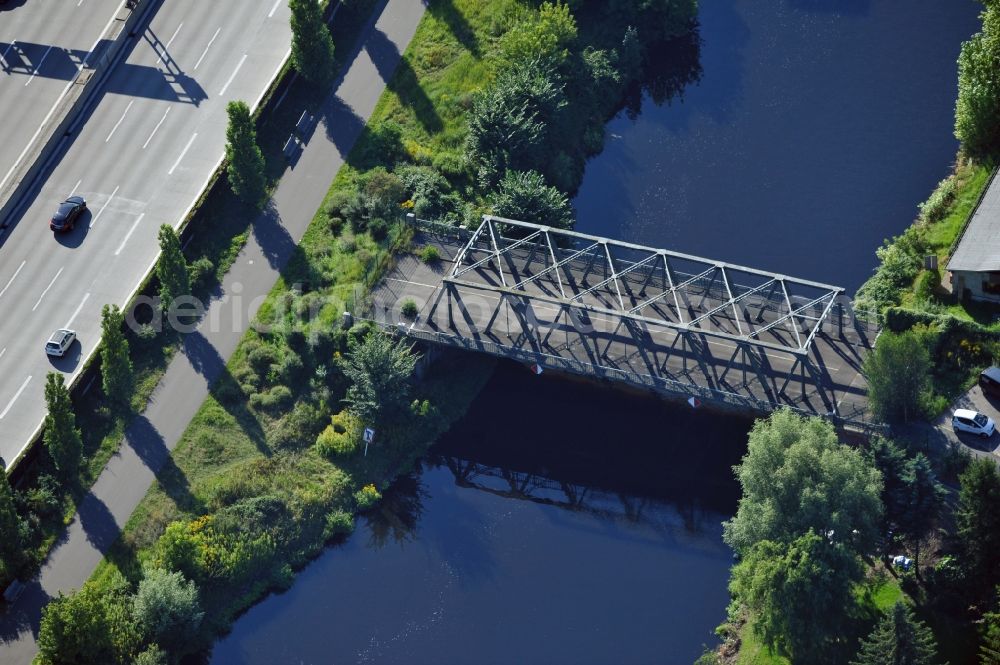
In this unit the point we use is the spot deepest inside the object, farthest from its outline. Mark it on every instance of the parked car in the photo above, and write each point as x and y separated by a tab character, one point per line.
60	342
966	420
67	214
990	381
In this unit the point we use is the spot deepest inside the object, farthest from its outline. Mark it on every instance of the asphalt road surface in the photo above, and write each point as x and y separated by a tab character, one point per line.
141	159
43	44
152	435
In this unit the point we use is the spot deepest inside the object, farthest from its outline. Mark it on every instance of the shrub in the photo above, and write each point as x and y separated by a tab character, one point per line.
429	254
936	206
526	197
260	357
273	400
429	190
977	112
201	273
367	497
409	309
340	438
510	120
166	608
927	282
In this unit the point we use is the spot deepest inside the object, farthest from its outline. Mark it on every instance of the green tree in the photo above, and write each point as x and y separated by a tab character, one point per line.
312	45
898	374
90	626
166	608
526	197
379	369
989	650
898	639
799	594
923	498
10	530
510	120
62	439
547	34
977	111
172	269
151	655
116	366
891	461
978	521
244	160
796	476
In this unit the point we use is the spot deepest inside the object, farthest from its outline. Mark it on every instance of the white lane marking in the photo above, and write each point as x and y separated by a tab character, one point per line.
16	395
129	234
38	66
77	185
169	42
270	14
205	52
155	129
103	208
13	278
3	352
79	3
52	109
47	289
183	152
77	311
115	128
233	75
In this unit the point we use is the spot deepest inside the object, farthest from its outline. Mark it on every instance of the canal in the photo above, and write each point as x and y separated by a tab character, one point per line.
588	531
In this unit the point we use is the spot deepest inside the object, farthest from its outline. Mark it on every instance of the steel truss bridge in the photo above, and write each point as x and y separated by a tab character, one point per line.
652	318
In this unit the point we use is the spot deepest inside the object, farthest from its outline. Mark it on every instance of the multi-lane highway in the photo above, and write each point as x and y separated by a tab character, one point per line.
43	44
141	159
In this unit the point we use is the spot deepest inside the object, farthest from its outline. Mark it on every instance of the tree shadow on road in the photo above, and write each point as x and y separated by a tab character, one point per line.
151	448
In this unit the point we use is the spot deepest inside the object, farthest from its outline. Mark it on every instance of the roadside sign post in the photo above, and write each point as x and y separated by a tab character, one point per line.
368	436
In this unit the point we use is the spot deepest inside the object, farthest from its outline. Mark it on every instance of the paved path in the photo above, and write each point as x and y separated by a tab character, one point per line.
141	158
150	438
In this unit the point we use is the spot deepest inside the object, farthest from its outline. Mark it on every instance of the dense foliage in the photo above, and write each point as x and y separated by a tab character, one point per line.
172	268
899	639
898	372
797	477
977	112
62	438
379	370
116	365
312	45
244	160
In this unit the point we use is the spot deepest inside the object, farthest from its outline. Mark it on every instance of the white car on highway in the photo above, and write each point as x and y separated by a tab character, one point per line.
966	420
60	342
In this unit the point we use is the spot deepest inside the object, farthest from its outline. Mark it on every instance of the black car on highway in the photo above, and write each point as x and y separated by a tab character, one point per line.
67	214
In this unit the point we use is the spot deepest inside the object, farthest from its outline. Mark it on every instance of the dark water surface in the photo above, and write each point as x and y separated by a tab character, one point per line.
815	129
566	523
587	532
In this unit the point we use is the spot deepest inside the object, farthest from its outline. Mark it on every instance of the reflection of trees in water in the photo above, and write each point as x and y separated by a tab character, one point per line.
670	66
396	516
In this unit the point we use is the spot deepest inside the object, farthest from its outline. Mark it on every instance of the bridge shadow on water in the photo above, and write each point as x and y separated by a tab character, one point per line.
560	439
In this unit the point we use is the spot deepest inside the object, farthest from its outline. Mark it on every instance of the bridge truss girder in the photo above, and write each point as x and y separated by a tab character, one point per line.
649	286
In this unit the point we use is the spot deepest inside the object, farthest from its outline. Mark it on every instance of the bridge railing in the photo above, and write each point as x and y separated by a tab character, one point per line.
856	418
842	316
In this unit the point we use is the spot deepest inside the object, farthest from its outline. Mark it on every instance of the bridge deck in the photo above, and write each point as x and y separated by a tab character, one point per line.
535	327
